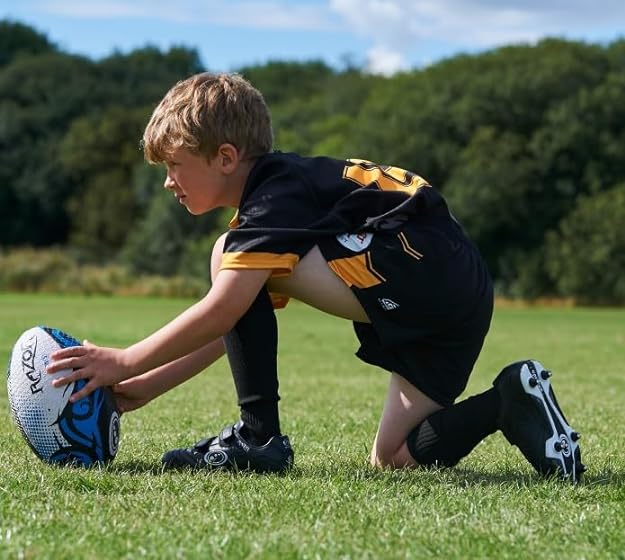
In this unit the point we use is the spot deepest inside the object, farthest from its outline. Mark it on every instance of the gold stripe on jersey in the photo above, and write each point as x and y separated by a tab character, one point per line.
281	265
373	270
234	221
407	248
387	178
357	271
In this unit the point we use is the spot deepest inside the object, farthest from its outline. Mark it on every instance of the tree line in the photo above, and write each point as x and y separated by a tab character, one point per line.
526	142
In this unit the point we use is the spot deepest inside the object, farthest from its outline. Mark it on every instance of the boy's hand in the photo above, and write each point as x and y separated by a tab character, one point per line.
99	366
131	394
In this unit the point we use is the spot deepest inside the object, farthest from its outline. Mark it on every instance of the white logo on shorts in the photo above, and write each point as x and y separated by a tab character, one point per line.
388	304
355	241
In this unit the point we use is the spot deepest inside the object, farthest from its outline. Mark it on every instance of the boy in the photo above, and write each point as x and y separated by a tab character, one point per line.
373	244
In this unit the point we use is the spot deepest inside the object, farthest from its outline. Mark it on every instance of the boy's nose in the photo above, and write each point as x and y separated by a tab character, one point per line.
169	183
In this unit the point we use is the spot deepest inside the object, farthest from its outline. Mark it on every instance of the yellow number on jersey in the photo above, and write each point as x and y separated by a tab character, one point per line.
387	178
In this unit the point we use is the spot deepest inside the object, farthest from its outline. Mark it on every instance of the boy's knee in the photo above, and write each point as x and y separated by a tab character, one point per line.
377	459
381	461
218	251
384	456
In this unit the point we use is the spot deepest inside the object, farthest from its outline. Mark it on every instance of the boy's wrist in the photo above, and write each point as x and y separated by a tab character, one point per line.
130	363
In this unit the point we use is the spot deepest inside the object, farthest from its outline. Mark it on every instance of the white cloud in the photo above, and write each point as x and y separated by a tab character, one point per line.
396	27
381	60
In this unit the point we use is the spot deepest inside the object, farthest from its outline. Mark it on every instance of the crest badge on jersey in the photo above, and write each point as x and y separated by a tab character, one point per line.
355	242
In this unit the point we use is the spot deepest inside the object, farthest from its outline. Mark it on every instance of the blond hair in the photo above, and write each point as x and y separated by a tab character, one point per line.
205	111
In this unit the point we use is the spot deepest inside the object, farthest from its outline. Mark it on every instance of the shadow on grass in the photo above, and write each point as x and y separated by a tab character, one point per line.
473	477
134	467
457	476
606	477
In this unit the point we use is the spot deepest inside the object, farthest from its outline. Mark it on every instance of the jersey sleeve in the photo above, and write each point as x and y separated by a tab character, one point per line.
270	229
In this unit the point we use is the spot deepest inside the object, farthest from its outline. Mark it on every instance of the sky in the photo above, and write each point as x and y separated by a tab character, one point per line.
383	36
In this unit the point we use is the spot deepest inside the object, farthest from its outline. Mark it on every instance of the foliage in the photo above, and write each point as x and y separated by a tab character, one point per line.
586	255
28	270
164	240
139	78
17	39
53	90
281	82
70	128
99	153
513	137
492	187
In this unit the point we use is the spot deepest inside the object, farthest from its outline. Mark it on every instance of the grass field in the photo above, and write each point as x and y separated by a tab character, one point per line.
332	505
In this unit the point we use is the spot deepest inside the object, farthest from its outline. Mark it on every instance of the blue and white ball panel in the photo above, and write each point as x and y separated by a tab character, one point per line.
58	431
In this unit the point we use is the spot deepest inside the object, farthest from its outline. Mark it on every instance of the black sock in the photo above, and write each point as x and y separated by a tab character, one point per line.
260	421
252	347
450	434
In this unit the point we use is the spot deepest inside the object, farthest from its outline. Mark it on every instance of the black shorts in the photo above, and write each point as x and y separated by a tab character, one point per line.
429	297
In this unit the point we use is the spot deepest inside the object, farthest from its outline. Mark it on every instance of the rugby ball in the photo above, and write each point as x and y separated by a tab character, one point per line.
83	433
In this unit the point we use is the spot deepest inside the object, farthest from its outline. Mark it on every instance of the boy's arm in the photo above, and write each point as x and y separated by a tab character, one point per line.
138	391
210	318
213	316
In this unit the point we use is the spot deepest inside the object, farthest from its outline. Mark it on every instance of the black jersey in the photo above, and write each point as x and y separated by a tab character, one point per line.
291	203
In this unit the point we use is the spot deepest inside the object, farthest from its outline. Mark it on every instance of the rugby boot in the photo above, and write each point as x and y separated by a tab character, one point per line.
230	451
531	419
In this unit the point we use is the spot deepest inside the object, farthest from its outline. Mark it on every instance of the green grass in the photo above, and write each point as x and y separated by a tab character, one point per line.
332	505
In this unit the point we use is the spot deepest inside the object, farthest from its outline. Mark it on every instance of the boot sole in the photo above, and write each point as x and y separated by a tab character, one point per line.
560	453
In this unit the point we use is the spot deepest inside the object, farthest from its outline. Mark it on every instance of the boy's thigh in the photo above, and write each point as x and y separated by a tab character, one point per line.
313	282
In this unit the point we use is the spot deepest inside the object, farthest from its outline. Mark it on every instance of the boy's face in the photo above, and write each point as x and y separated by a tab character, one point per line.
197	183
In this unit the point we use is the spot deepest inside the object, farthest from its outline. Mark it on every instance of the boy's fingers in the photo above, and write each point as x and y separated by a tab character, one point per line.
69	352
66	363
85	391
61	381
74	376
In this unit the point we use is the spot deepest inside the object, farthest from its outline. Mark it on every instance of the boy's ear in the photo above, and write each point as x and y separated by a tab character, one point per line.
228	157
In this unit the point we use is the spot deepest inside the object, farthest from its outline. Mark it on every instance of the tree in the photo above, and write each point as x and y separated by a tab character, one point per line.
17	39
99	154
492	192
581	146
53	89
168	237
405	121
586	254
141	77
281	82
